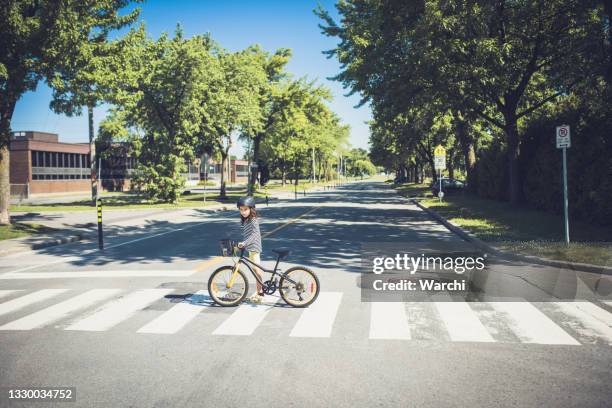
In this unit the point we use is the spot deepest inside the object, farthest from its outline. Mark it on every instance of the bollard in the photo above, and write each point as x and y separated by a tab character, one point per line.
100	232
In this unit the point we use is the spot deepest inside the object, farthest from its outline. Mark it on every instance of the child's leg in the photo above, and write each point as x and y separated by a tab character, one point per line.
254	256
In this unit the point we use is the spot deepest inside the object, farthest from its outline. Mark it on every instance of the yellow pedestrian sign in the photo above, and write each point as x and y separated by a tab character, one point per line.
439	151
439	158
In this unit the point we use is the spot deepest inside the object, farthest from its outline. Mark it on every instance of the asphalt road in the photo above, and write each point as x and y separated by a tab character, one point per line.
132	326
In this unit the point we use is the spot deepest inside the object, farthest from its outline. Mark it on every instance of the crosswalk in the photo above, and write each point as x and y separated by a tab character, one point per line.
99	310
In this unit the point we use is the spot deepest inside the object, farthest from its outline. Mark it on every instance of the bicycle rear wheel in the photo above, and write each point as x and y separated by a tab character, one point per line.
303	290
218	286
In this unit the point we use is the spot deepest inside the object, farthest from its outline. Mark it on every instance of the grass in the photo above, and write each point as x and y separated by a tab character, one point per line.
17	230
519	229
134	201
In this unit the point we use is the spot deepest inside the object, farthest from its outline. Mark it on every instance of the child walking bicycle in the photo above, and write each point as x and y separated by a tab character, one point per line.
251	239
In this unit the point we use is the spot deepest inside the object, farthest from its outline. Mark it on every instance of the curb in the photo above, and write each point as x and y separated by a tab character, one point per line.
579	267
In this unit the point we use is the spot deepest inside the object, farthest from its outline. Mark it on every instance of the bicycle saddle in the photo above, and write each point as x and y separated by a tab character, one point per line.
282	252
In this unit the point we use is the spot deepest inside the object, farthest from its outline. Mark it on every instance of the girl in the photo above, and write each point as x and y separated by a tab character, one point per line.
251	238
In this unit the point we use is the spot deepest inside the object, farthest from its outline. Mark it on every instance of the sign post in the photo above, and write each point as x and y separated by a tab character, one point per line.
563	142
440	164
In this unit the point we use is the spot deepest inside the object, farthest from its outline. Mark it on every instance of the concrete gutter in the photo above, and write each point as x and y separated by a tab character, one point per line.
483	246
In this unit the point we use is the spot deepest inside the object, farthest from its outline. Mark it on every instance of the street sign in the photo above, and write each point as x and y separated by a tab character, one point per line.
563	142
439	158
563	136
440	162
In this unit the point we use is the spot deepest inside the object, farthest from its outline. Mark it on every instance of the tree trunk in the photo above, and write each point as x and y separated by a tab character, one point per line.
469	153
5	186
451	164
514	175
7	106
255	170
222	192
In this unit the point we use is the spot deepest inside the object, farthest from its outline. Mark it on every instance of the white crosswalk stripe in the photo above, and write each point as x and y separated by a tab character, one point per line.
246	318
176	318
60	310
594	321
4	293
29	299
566	323
118	310
462	323
317	320
531	325
388	320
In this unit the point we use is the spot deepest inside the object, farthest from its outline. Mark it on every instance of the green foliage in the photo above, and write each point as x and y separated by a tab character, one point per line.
162	90
461	73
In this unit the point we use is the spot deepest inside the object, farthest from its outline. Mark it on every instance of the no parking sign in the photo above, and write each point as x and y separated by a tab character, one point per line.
563	136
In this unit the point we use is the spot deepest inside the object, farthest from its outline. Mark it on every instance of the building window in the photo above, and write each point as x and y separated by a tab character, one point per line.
47	162
34	154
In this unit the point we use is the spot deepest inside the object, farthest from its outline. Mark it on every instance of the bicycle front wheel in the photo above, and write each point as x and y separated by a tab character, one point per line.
299	287
222	292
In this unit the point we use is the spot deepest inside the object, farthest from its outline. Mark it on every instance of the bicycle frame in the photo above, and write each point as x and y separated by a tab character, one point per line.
247	262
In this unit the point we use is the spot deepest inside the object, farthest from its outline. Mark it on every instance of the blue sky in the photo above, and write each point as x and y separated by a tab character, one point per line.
234	25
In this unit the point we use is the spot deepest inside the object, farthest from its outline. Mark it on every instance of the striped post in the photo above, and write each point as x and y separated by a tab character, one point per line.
100	233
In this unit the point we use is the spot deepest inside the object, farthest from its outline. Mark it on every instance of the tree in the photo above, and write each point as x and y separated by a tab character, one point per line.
236	104
163	89
39	40
269	104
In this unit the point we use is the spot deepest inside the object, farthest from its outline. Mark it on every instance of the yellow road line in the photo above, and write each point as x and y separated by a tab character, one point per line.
288	222
203	265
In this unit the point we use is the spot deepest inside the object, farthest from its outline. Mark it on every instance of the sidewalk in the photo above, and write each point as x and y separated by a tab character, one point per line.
82	225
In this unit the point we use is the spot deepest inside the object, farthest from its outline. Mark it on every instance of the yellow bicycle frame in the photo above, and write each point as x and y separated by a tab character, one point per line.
234	273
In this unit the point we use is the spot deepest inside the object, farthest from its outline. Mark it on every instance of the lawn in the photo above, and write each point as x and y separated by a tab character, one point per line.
134	201
519	229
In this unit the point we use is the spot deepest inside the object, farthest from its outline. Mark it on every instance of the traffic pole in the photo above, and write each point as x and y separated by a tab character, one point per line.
100	232
567	239
440	179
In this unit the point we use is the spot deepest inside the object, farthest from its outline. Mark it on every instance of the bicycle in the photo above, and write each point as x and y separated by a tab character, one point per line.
228	285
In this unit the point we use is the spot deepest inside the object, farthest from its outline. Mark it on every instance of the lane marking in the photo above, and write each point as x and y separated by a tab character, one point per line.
26	300
318	319
4	293
175	318
60	310
289	222
462	323
91	251
118	310
531	325
246	318
200	267
388	320
94	274
595	320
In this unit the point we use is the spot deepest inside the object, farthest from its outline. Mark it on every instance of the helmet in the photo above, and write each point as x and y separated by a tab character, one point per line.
247	201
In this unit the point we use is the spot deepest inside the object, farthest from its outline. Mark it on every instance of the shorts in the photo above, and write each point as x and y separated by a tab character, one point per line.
254	256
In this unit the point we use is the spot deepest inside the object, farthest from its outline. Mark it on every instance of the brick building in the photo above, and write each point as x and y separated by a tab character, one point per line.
239	171
41	164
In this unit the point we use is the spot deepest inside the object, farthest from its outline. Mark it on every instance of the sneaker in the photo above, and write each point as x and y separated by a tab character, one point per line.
256	298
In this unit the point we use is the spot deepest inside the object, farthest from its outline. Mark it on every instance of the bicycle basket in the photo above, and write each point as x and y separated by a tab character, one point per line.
228	247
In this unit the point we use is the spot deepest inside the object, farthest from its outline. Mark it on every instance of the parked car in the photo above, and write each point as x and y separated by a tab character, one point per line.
449	186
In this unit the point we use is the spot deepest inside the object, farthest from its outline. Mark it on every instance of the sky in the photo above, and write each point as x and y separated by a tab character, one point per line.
234	25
